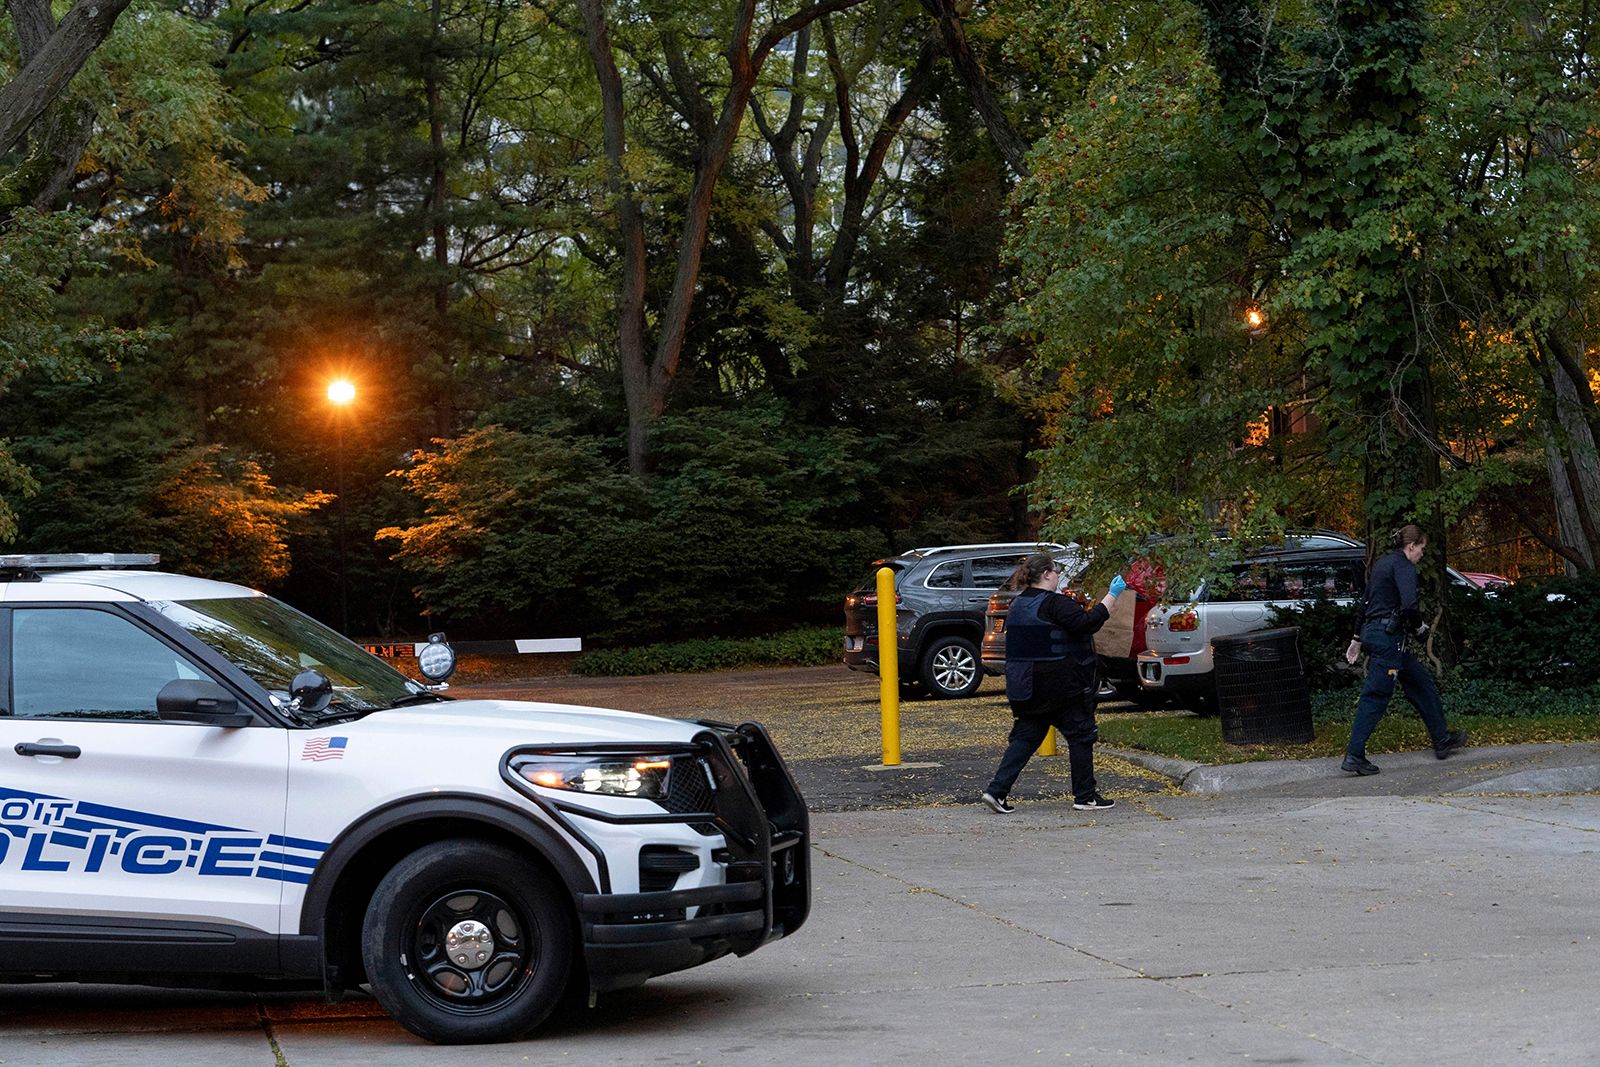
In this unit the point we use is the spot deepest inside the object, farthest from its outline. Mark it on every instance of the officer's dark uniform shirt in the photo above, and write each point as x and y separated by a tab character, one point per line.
1392	591
1050	657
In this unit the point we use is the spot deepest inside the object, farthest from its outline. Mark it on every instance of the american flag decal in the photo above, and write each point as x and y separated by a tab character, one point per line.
320	748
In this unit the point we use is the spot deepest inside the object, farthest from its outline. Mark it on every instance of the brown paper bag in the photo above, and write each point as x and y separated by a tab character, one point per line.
1115	638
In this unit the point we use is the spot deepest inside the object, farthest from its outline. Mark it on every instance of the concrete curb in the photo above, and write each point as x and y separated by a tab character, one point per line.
1576	776
1194	777
1176	769
1581	779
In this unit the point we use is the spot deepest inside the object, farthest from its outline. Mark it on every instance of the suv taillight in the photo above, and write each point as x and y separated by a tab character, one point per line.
871	600
1183	622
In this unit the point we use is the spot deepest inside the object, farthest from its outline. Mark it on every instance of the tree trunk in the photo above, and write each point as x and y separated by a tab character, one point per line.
437	186
1570	418
646	380
978	85
1574	467
862	174
43	78
438	204
632	359
57	138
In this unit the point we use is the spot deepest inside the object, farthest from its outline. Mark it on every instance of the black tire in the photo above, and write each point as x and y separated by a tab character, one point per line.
951	668
1202	702
514	907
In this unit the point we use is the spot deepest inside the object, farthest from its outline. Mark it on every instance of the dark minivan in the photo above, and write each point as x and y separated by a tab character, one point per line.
940	597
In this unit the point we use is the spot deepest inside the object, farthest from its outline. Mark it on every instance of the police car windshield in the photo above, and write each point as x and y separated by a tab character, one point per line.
272	642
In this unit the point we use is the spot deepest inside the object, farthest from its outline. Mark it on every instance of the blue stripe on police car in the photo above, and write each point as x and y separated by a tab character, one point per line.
49	834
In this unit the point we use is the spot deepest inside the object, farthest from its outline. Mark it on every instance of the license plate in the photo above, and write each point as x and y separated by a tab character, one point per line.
854	644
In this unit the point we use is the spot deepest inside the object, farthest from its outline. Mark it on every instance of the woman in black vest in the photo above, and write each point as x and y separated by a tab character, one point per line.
1052	679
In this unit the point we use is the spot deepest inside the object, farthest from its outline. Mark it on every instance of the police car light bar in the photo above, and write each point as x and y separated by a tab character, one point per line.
76	561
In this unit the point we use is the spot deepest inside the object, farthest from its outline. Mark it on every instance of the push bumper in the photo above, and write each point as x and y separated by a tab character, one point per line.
758	810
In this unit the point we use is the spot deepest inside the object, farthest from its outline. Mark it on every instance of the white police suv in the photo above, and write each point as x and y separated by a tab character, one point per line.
202	785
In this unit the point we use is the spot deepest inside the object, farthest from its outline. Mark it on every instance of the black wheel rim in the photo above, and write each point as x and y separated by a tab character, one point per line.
498	964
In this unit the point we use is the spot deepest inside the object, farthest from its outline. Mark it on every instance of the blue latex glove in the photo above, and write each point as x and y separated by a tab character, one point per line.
1118	586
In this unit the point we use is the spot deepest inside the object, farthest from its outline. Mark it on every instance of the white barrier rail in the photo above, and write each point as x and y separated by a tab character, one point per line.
523	646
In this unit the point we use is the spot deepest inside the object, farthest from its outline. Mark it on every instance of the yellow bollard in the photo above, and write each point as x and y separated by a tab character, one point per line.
1047	747
888	668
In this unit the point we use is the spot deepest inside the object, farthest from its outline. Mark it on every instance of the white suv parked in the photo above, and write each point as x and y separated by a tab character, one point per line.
201	782
1178	637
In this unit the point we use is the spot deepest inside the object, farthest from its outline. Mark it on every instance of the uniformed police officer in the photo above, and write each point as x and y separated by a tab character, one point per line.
1052	678
1390	620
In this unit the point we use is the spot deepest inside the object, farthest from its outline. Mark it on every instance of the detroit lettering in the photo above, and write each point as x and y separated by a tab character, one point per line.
55	835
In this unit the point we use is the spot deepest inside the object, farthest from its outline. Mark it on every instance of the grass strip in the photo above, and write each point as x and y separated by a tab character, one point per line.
1182	735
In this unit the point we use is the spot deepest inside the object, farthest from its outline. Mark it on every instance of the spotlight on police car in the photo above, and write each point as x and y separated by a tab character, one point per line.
436	659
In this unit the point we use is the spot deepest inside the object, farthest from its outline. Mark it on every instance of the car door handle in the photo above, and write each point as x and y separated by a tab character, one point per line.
977	600
39	748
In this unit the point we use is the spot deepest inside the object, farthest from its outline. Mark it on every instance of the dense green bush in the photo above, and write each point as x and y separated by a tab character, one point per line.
1466	693
1540	632
796	648
1535	633
739	526
1325	628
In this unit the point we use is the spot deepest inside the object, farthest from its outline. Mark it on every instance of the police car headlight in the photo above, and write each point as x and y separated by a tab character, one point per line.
644	777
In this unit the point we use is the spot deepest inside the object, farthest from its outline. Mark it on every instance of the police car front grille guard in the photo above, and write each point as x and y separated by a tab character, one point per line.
760	814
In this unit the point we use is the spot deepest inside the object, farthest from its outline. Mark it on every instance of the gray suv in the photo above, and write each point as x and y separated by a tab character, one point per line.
940	597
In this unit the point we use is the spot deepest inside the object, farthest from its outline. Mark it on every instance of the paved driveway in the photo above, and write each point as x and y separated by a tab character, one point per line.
828	725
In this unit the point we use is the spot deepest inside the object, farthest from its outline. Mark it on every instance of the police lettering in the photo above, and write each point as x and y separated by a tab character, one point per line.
50	836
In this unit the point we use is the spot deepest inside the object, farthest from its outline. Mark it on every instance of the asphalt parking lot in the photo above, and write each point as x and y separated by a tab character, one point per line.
1438	913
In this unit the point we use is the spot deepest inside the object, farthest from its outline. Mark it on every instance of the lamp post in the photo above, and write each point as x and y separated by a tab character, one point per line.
341	394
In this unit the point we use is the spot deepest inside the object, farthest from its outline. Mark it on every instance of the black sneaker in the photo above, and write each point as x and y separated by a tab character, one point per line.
1359	765
998	805
1455	739
1094	803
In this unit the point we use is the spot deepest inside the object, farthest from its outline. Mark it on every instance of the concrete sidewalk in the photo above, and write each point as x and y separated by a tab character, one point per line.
1494	771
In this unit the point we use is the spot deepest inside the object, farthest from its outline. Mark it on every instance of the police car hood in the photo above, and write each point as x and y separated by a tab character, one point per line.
527	722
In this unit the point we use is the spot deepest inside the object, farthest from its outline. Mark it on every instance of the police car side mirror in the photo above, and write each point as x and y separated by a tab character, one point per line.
311	692
200	700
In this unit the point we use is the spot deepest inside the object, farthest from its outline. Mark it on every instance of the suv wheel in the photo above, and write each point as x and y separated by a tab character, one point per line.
950	667
467	942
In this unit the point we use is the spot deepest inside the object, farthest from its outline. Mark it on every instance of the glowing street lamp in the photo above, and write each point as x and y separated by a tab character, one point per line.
341	394
1255	320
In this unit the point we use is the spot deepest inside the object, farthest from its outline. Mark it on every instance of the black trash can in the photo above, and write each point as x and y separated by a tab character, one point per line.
1262	694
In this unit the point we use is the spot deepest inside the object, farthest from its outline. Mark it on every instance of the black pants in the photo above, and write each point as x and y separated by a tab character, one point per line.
1075	719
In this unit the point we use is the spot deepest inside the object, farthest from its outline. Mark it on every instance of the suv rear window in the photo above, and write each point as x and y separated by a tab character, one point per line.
870	582
946	576
991	572
1301	580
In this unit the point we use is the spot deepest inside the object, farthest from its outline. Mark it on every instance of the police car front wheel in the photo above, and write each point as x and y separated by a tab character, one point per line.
467	942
